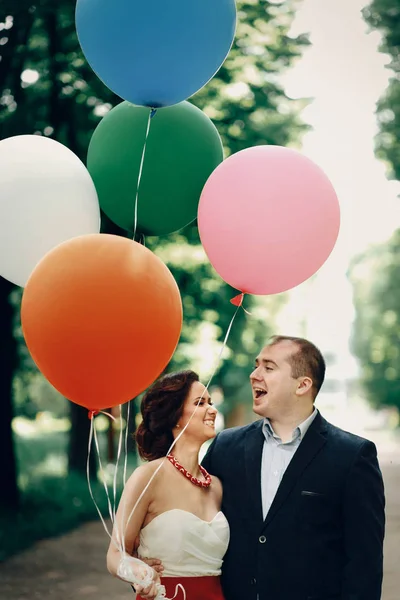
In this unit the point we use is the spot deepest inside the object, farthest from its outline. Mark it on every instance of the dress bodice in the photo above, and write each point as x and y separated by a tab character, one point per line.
186	545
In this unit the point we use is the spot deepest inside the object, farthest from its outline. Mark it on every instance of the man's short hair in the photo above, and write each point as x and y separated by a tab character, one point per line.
307	361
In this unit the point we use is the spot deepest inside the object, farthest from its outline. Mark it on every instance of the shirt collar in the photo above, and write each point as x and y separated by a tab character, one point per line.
299	432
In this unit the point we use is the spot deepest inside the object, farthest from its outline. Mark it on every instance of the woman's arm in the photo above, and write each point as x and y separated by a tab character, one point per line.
129	531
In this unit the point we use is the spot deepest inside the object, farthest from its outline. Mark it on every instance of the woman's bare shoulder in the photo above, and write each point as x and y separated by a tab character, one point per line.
144	472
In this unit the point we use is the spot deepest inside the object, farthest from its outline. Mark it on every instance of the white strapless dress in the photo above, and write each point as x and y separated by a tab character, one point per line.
186	545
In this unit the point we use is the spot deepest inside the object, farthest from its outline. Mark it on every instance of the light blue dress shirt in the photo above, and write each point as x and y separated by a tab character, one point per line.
276	457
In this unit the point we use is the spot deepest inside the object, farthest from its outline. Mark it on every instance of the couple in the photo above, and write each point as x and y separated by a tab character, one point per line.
289	507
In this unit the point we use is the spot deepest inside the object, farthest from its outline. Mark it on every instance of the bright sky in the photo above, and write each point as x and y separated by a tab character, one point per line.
346	75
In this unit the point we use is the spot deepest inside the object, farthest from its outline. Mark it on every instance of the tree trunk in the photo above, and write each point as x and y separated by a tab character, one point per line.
13	55
78	442
133	411
110	440
9	497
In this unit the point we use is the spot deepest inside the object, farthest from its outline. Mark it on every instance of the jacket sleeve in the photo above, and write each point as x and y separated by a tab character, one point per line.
364	527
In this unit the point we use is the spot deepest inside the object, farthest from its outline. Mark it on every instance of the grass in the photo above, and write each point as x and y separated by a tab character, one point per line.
52	502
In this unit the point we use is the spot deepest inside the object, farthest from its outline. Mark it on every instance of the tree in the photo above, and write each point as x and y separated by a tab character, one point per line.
375	275
384	15
9	498
376	282
47	88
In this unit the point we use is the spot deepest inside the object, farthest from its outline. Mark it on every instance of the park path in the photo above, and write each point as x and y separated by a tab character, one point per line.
72	567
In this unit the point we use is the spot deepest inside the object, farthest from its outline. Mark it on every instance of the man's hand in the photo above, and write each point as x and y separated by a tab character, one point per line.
155	563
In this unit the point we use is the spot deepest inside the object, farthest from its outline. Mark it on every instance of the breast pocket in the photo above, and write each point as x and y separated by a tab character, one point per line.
315	508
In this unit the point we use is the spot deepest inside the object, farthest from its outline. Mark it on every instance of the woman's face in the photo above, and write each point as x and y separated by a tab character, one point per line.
202	425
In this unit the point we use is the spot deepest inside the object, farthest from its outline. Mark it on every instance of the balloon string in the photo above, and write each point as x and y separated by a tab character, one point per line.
187	424
128	411
120	543
177	590
90	486
117	462
152	112
124	475
93	413
177	587
103	477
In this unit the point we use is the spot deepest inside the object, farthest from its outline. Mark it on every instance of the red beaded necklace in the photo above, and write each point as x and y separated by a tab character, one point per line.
185	473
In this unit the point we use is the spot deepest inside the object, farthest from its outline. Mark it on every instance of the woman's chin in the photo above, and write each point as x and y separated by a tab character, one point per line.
209	435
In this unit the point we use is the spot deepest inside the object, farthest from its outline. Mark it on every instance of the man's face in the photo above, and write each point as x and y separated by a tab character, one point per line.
274	388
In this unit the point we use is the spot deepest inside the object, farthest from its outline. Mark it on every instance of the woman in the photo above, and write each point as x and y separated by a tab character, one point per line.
178	518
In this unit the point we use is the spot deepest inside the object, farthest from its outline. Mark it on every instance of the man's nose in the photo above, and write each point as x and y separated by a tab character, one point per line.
255	374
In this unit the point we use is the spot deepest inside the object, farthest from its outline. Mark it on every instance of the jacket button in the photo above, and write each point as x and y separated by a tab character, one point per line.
262	539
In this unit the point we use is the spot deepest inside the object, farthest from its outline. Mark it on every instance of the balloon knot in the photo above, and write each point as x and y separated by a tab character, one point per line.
153	112
92	413
238	300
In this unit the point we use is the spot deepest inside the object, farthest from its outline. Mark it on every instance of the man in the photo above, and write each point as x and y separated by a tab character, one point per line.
304	499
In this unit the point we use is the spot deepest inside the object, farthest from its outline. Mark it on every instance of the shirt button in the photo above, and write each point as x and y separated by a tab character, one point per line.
262	539
276	473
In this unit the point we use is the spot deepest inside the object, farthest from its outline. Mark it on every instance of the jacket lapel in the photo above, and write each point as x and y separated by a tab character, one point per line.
312	443
253	454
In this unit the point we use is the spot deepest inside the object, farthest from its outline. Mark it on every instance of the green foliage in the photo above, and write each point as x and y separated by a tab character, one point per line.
51	502
46	87
376	282
387	140
49	507
375	275
65	100
245	99
384	15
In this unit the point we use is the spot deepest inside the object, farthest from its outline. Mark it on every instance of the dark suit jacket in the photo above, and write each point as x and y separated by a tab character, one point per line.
323	535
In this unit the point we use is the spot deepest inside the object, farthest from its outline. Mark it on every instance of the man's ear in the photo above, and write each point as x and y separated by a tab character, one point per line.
304	386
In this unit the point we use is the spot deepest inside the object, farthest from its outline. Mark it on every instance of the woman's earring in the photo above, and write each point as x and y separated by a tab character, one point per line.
178	426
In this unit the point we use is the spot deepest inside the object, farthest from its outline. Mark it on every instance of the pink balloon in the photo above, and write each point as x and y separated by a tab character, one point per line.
268	219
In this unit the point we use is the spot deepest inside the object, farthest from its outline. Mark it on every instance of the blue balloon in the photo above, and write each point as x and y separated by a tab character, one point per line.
155	52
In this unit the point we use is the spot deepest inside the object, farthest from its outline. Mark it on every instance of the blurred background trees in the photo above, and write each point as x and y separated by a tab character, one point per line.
47	88
376	274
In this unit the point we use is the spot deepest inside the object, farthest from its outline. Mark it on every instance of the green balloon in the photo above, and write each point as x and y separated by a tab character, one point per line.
183	149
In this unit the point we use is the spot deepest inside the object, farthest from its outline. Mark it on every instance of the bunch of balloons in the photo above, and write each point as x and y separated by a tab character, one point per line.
94	304
101	314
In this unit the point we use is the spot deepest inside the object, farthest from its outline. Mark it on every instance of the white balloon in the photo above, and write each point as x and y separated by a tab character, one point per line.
46	197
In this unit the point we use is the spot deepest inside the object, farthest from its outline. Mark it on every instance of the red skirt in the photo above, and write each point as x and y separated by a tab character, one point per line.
196	588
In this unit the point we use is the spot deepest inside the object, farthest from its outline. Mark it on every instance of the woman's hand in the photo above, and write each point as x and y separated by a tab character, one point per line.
150	592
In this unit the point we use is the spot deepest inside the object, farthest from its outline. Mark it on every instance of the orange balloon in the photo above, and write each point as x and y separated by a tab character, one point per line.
101	316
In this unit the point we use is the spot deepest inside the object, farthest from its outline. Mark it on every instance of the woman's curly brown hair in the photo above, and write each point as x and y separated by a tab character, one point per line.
161	408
